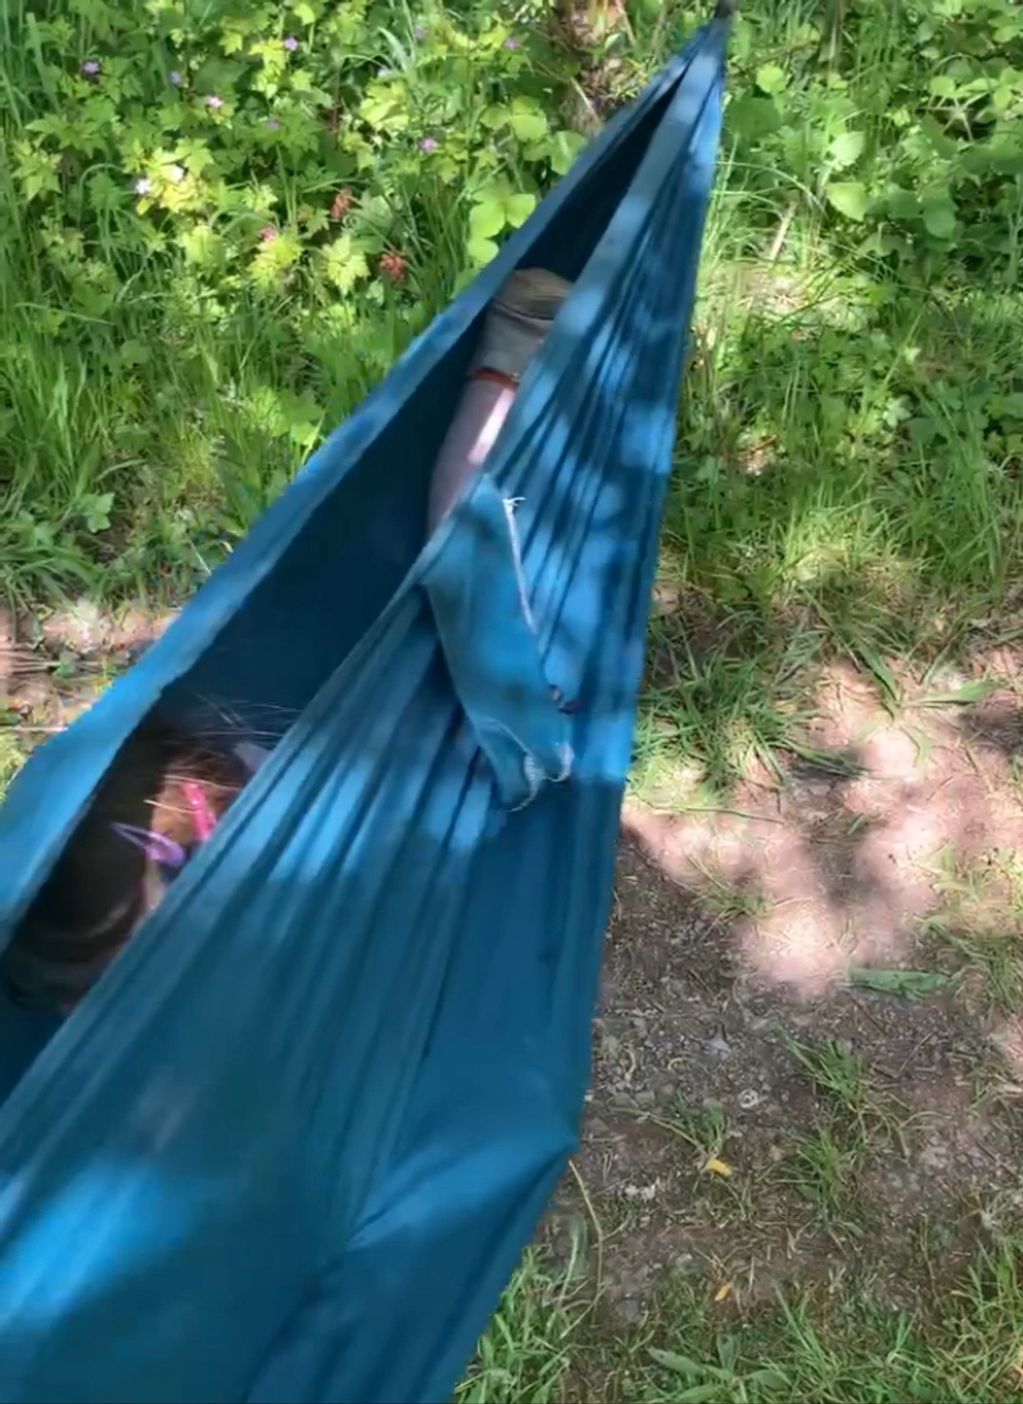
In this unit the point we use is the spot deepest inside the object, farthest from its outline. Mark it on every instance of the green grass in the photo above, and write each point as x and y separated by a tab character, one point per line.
841	538
704	1130
823	1168
841	1075
10	761
527	1350
981	920
825	1164
850	1348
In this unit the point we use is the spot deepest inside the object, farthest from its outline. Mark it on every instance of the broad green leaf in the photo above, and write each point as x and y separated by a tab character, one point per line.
528	126
386	108
303	418
37	169
902	204
728	1352
938	139
942	86
494	117
196	156
908	984
847	148
772	78
975	691
134	353
939	215
753	117
564	147
1002	98
274	258
480	250
96	509
302	82
499	188
345	263
372	214
678	1364
518	208
487	219
849	197
768	1377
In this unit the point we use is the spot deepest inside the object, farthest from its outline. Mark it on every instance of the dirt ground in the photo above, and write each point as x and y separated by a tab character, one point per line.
54	665
762	1115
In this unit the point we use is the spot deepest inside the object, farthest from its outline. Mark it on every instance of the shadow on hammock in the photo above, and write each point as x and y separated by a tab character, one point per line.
375	981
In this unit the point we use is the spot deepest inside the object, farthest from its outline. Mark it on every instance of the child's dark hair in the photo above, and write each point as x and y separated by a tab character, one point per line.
157	803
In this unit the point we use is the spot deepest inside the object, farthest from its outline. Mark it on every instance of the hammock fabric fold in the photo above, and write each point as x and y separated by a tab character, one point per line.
292	1144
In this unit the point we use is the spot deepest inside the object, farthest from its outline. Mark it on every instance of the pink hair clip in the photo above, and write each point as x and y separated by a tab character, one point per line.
202	813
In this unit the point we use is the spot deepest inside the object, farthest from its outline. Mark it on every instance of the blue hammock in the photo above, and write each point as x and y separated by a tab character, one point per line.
292	1144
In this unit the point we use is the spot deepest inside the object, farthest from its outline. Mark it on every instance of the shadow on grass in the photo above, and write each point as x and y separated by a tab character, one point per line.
848	486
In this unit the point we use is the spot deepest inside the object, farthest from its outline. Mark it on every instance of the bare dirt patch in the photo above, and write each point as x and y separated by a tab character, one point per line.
759	1118
54	665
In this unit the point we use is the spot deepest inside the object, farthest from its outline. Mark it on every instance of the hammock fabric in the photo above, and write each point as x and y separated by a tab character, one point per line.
292	1144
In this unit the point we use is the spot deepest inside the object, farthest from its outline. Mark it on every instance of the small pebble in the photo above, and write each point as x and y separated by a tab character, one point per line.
629	1311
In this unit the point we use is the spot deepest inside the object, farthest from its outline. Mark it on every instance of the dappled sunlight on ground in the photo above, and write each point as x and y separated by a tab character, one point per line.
825	871
773	1091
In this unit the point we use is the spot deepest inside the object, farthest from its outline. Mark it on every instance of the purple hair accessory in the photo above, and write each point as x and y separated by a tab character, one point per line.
160	849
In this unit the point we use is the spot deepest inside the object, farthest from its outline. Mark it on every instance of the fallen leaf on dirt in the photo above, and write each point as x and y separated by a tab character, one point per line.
718	1167
680	1364
976	691
909	984
725	1290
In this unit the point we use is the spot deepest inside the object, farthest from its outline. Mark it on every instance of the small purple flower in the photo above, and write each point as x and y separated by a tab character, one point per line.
214	102
428	144
268	234
291	43
174	78
91	68
143	185
274	123
512	42
420	32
